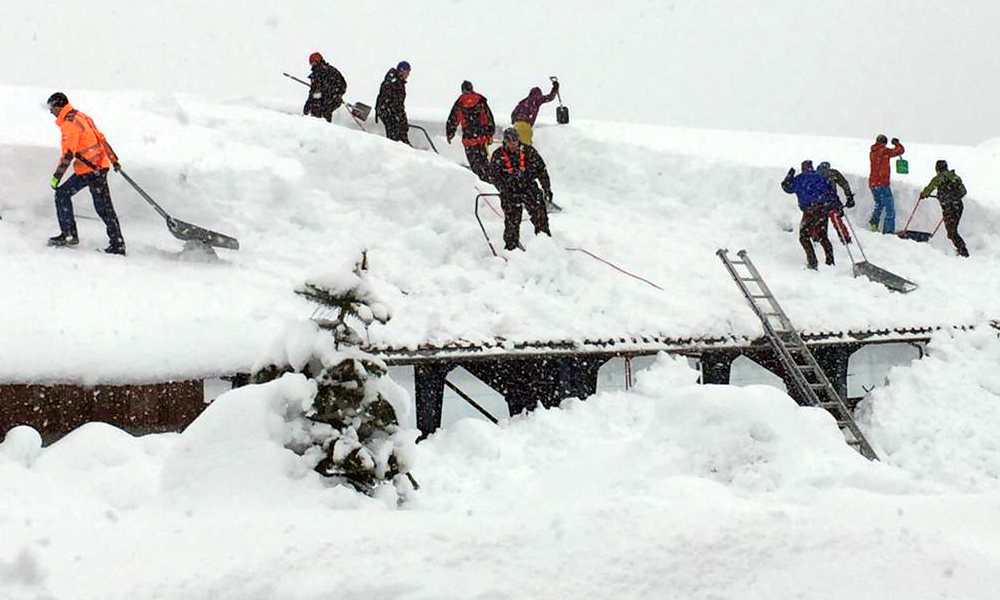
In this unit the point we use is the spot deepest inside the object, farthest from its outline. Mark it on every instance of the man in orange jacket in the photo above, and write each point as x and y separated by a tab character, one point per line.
82	141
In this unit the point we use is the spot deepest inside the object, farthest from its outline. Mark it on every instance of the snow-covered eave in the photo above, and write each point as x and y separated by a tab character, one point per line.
641	345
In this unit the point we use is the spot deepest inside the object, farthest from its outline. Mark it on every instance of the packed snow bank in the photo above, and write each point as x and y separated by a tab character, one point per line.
652	440
938	419
237	446
622	490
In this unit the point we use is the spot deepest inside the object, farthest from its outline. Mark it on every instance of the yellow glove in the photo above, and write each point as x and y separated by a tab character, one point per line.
55	181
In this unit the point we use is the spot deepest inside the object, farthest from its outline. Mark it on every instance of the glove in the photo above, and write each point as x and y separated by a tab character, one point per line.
117	166
791	173
850	202
548	195
555	85
449	139
55	182
922	196
895	141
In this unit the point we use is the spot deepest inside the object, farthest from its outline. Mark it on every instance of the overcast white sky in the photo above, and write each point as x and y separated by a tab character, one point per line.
919	70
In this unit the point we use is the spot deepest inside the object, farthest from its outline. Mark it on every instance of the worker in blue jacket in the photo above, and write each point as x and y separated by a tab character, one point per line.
812	191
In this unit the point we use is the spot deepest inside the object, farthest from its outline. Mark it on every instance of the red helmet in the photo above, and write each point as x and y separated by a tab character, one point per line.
315	57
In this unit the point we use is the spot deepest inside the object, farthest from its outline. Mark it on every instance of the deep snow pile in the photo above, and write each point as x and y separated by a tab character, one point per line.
672	490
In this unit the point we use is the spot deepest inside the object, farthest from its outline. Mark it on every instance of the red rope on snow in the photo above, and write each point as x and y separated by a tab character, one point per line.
588	253
614	266
495	211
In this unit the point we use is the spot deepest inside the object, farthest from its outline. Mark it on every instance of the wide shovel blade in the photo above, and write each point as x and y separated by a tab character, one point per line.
916	236
183	230
879	275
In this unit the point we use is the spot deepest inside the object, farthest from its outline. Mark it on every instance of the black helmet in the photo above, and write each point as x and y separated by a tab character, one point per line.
510	134
941	165
57	100
466	86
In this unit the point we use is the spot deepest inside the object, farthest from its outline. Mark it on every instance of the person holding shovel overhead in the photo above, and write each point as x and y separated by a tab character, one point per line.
878	182
524	114
950	191
82	141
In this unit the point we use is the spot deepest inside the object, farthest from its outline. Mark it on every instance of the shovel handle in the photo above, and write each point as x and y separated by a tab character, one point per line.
145	196
912	212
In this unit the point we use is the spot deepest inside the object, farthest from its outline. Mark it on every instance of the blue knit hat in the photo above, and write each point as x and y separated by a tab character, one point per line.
403	66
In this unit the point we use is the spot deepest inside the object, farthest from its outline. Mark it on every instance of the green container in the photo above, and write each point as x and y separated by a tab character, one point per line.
902	166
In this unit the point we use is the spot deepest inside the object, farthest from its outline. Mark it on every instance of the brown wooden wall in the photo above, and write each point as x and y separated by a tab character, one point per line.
55	410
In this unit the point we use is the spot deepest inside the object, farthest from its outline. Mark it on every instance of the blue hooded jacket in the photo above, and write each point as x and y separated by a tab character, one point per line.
810	187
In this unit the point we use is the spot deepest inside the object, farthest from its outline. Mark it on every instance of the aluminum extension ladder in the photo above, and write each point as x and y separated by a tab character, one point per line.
809	379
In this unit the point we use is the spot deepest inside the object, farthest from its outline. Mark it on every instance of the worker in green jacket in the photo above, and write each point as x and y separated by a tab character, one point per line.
950	191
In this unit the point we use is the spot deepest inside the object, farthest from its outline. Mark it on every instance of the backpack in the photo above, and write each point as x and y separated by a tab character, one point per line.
950	189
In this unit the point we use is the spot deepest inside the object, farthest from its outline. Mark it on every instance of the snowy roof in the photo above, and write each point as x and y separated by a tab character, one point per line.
305	198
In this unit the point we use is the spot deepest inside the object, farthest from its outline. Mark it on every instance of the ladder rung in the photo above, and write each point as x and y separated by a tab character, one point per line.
749	279
760	296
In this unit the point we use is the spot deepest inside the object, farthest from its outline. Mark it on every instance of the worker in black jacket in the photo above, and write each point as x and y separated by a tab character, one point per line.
326	89
515	167
390	104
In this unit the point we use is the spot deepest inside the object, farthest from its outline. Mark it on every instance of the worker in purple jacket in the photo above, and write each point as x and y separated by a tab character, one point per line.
526	111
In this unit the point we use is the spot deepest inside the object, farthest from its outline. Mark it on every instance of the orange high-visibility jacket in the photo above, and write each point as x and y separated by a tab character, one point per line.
83	141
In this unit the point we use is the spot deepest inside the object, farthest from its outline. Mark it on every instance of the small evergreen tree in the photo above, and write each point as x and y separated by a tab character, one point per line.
354	425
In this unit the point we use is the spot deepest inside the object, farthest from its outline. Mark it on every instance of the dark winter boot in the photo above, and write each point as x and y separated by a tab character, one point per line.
64	239
829	260
114	248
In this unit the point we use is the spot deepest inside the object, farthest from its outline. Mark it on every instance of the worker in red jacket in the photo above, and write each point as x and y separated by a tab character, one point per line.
526	111
473	114
83	146
878	182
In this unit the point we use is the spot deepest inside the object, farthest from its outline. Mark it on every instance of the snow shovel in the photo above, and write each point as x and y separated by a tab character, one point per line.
877	274
562	113
917	236
183	230
359	110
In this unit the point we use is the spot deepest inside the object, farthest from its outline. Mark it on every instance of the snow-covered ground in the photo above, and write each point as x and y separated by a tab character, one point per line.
668	490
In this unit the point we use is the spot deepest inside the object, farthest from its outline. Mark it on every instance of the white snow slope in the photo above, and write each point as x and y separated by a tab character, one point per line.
669	490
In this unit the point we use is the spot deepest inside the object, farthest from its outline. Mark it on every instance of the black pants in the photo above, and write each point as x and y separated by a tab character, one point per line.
952	214
512	204
324	109
479	161
397	128
813	228
97	181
